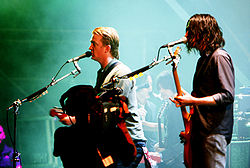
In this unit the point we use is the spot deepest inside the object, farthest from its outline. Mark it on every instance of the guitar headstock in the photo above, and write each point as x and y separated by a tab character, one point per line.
176	57
177	51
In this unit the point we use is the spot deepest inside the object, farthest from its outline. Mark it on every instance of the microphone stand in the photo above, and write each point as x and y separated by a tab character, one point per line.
143	69
16	104
15	154
116	80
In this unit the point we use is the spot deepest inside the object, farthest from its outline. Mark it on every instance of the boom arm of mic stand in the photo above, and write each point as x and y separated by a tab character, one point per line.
143	69
74	72
41	91
18	102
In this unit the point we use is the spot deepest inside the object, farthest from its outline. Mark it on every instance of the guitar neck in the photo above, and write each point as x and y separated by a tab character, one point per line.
177	82
185	114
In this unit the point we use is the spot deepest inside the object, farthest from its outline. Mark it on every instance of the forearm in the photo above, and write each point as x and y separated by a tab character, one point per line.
208	100
187	100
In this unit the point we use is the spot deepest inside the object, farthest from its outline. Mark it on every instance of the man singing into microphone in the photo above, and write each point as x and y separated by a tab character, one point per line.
105	50
213	93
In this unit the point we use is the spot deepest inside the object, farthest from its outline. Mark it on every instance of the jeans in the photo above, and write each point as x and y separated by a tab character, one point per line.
209	152
134	164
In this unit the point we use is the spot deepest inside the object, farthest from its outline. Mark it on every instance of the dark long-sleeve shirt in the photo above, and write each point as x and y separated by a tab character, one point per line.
214	76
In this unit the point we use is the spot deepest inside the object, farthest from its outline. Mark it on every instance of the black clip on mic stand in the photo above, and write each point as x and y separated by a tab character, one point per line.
16	104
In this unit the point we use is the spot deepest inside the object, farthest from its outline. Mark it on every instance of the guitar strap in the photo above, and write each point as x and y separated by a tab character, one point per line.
102	75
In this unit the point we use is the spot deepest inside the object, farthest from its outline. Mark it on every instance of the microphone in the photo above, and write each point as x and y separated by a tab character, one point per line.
171	44
86	54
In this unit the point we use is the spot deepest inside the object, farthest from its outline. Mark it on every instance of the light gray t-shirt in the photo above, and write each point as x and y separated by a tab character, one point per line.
134	124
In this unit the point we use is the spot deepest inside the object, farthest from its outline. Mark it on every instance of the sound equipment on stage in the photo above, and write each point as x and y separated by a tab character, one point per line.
238	154
238	151
242	115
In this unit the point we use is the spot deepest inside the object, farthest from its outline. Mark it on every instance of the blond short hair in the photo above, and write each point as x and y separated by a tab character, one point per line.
109	37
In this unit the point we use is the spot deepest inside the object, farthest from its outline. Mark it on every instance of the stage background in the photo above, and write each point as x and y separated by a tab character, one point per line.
37	37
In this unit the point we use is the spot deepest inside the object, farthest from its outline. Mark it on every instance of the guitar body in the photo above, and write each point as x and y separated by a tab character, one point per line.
186	136
186	116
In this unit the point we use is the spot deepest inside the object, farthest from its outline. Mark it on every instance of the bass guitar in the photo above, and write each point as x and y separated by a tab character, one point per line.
186	116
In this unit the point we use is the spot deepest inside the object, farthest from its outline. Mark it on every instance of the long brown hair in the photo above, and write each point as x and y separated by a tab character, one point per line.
203	34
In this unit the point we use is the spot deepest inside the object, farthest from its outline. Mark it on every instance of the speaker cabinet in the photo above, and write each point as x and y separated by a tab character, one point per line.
238	154
35	138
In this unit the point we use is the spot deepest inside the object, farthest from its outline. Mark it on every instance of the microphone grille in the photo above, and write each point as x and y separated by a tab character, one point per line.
88	54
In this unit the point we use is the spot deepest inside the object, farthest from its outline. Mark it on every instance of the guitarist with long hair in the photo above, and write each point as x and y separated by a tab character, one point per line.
212	95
